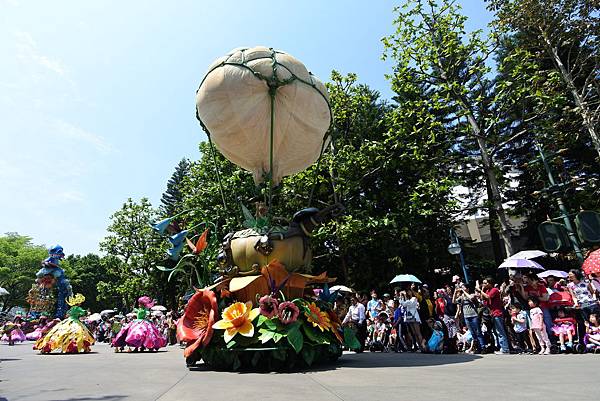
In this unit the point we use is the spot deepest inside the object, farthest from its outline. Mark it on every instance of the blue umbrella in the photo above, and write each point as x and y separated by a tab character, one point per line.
405	278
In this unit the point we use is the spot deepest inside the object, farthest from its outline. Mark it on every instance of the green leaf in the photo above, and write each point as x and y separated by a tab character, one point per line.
271	325
278	336
308	353
265	335
249	221
314	336
295	339
231	344
350	339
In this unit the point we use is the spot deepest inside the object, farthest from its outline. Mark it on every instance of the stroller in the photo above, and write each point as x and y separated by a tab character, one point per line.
563	300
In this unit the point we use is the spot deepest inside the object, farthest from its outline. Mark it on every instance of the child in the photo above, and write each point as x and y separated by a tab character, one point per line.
380	327
564	326
537	325
592	330
436	341
518	318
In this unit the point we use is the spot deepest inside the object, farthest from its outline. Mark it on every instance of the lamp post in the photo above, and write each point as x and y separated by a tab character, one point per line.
455	249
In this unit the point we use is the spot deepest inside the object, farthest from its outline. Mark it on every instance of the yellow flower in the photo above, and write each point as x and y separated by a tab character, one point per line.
317	317
237	318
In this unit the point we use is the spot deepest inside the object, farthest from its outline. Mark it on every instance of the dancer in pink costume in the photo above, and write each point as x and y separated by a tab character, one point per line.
140	334
13	332
41	328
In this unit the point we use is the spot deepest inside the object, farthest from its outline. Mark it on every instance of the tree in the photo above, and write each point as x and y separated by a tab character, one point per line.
431	49
85	272
566	33
19	261
135	250
172	198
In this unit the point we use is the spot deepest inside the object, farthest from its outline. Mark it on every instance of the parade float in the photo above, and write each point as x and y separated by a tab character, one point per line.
49	292
265	112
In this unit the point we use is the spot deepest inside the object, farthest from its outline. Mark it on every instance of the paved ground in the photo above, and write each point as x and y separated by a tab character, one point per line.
106	376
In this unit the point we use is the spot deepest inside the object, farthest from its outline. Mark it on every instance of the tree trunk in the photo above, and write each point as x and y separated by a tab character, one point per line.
496	199
493	222
584	111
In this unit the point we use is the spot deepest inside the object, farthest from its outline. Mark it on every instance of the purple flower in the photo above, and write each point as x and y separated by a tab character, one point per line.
268	306
288	312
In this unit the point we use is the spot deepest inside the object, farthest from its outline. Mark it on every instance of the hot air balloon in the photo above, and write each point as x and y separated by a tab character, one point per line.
264	111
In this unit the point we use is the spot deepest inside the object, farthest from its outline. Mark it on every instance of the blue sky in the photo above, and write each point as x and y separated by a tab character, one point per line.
97	97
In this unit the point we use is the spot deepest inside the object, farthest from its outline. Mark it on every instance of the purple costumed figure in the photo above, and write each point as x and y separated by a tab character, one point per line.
141	333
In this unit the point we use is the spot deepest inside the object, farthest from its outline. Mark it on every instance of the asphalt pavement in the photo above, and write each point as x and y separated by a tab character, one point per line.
106	376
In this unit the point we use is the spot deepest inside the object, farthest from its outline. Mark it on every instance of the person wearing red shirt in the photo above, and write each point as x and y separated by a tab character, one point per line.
533	287
492	299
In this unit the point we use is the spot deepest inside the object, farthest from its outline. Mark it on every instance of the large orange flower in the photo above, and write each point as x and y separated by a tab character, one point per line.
317	317
237	318
196	325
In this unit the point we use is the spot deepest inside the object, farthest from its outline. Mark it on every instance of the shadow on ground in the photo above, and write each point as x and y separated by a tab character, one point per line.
100	398
372	360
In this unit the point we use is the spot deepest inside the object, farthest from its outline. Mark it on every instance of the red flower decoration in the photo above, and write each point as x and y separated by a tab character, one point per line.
195	326
200	244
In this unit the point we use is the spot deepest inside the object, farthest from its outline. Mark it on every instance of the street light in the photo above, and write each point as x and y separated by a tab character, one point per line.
455	249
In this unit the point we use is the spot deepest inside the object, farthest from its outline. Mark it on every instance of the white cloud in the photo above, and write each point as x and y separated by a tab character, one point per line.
28	53
70	196
71	131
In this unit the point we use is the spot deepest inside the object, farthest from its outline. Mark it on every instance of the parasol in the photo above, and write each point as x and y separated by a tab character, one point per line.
520	264
94	317
405	278
341	288
158	308
592	263
553	273
531	254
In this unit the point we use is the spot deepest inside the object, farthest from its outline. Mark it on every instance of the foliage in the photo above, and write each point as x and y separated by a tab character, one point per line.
135	250
19	261
85	273
172	198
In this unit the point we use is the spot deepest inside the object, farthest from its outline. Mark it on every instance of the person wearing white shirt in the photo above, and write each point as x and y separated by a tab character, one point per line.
356	316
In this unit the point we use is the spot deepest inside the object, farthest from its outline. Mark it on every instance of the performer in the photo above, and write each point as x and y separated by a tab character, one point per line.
70	335
12	331
44	325
141	333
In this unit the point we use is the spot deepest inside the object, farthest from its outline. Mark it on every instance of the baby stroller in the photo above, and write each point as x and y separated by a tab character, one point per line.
563	300
381	336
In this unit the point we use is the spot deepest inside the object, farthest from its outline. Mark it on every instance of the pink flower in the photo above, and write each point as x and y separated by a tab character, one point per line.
288	312
268	306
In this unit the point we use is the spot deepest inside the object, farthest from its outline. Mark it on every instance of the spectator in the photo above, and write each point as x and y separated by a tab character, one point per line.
356	317
492	299
374	306
518	318
537	325
468	310
409	302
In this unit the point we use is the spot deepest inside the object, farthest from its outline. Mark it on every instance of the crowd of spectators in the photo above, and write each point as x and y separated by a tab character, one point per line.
523	314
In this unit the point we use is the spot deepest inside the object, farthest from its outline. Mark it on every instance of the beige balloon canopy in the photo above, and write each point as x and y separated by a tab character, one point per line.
264	111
